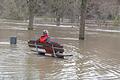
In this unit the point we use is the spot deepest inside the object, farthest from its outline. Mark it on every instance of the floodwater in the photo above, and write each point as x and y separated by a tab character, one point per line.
95	58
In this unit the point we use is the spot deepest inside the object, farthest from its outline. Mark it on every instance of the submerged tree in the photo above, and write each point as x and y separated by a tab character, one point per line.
31	9
82	19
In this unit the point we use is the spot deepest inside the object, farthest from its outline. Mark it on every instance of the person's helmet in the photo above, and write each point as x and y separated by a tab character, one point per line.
45	32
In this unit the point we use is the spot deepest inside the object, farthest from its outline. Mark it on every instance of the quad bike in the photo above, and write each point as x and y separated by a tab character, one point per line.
54	49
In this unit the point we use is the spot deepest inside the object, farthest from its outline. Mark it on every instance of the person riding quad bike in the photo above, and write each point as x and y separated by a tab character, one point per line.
48	43
46	39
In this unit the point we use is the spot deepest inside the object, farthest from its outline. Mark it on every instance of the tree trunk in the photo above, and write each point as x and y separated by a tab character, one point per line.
58	20
62	19
31	14
82	20
31	19
119	7
72	19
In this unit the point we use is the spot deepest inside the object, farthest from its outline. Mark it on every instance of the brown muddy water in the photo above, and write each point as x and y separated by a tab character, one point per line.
95	58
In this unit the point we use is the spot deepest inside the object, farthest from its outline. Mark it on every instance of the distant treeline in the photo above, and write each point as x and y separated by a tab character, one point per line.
69	9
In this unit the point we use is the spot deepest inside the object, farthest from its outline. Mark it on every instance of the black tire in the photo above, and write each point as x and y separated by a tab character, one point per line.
41	53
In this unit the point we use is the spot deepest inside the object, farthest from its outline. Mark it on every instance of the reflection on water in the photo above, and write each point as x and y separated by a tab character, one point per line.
95	58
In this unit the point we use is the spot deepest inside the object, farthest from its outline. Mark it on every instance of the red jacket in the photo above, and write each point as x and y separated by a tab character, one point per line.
43	38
